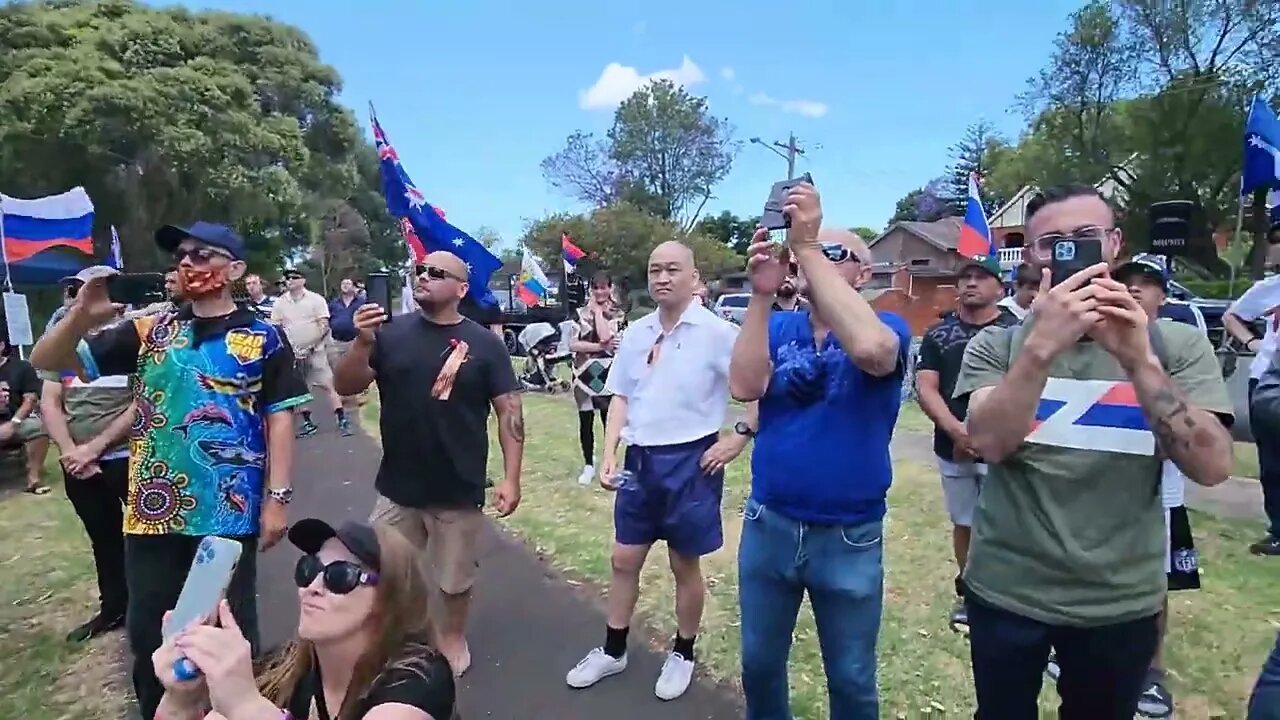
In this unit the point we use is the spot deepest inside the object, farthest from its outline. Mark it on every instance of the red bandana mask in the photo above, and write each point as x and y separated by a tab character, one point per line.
195	283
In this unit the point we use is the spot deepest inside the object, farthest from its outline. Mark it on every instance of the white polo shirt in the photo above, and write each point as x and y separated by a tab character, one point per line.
684	394
1256	302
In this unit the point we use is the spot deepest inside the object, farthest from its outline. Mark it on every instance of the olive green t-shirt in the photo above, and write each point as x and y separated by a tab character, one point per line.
90	407
1069	530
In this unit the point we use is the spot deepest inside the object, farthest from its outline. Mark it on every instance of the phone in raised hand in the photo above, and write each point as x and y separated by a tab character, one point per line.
1073	254
378	290
773	217
207	581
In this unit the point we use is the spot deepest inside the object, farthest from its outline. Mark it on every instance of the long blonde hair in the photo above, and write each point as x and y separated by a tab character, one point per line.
402	633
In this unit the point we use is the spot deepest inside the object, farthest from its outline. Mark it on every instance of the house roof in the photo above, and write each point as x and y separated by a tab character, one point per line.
1111	186
942	234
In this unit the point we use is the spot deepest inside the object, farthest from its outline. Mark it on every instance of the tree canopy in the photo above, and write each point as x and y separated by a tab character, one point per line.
168	115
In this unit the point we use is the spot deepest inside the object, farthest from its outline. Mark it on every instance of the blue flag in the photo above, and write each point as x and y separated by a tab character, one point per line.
1261	149
404	200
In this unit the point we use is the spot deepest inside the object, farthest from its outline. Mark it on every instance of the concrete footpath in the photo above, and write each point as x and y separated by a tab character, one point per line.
527	626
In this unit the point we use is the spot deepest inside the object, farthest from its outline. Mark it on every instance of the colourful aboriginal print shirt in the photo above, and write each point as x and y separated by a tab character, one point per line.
204	388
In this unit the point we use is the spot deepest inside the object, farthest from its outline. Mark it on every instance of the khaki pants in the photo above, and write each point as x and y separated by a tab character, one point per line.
449	535
335	350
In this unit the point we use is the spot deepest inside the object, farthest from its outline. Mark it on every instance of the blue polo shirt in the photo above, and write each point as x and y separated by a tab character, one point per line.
342	318
822	452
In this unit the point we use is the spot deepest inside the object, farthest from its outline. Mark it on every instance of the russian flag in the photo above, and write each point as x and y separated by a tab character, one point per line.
975	234
32	226
571	253
533	282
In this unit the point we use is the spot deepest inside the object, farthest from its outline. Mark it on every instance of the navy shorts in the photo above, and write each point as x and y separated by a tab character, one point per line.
671	499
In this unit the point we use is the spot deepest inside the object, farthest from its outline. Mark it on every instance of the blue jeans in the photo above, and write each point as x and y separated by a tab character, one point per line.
842	569
1264	703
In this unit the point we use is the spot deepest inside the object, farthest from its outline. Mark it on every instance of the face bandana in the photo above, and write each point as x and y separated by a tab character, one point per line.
195	283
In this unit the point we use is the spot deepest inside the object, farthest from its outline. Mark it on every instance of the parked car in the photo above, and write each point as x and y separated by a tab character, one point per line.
732	307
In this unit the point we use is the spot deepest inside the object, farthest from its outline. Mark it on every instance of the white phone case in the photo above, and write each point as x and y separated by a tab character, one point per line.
207	582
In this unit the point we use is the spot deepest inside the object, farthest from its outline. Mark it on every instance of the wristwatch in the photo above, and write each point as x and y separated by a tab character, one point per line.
742	428
281	495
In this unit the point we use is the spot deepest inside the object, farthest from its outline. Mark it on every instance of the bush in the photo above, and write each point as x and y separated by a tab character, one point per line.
1220	289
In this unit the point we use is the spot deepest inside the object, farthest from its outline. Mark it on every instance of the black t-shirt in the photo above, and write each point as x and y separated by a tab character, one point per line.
425	682
942	351
17	378
434	451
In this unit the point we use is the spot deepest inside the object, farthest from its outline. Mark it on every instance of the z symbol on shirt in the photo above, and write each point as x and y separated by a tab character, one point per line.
1092	415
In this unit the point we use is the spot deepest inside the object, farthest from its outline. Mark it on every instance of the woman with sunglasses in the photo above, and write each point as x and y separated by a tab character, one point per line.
362	651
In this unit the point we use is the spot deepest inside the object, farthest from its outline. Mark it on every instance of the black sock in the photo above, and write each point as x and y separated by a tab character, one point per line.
959	587
615	641
684	647
341	414
306	416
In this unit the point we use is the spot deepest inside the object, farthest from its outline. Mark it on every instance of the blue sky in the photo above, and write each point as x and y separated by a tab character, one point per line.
474	94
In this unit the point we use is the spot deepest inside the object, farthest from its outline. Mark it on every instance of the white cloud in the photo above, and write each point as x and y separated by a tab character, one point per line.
807	108
727	73
617	82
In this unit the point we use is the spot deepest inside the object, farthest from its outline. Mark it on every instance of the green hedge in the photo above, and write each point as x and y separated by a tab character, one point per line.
1221	289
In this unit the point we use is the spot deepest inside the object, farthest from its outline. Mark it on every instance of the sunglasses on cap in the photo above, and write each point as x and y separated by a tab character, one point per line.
199	255
438	273
340	577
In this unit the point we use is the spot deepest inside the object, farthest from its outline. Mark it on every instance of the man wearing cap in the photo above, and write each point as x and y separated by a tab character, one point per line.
90	423
70	286
304	315
1149	284
211	447
941	352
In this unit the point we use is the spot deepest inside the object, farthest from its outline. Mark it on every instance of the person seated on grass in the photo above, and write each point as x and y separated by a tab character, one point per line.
363	649
23	440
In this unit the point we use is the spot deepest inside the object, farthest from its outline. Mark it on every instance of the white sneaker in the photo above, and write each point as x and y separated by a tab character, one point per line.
588	474
596	666
674	679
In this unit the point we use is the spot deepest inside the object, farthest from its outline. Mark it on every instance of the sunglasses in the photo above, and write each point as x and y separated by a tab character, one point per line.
655	350
340	577
438	273
199	255
837	253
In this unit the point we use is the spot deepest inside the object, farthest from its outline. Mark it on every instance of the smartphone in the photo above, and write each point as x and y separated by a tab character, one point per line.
136	288
216	559
1071	255
378	290
773	218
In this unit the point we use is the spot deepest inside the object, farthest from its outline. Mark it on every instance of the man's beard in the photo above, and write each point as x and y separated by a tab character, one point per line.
787	291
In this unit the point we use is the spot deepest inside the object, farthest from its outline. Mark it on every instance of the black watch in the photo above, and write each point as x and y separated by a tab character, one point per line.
742	428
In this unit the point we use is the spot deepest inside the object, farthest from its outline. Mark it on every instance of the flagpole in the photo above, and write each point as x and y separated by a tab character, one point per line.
1235	238
4	252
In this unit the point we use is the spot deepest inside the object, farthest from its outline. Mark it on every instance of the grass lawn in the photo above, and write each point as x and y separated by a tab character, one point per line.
48	589
1219	638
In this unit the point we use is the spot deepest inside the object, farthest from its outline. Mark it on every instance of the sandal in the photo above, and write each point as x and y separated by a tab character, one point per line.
38	489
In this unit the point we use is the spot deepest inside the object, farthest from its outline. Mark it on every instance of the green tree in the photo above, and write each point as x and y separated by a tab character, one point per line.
487	237
924	204
866	233
976	153
620	237
729	230
166	115
664	153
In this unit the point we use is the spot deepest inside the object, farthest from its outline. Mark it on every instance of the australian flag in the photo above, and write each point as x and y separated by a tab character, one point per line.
404	200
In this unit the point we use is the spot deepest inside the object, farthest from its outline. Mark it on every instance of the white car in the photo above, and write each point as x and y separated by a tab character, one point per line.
732	307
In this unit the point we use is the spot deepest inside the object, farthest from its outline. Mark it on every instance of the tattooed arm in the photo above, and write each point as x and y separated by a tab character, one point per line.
510	434
1192	437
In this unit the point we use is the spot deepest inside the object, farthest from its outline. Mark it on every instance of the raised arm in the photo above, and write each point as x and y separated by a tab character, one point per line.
871	344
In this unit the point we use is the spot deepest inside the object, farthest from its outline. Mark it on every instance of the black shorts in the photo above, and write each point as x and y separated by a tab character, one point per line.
1182	563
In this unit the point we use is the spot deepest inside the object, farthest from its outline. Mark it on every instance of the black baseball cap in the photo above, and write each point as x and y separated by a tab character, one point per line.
292	273
211	234
310	534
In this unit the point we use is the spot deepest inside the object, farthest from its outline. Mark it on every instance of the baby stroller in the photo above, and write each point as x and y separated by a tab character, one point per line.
543	351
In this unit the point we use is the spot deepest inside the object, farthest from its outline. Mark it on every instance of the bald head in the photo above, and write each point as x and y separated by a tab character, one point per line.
672	276
672	251
447	261
848	239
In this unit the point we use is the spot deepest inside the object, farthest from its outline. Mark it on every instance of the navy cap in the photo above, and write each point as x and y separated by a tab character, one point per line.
170	237
1142	266
310	534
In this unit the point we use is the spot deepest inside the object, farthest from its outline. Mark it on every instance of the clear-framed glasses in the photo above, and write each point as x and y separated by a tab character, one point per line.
1042	247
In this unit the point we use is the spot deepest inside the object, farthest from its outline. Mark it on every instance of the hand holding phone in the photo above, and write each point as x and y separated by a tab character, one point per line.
774	216
378	290
1073	254
207	581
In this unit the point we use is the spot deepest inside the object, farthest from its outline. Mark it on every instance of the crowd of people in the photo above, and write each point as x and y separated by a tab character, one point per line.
1067	416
